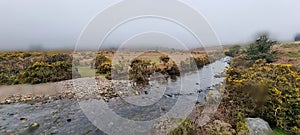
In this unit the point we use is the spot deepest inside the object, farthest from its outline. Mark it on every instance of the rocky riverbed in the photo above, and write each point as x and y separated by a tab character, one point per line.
58	117
29	111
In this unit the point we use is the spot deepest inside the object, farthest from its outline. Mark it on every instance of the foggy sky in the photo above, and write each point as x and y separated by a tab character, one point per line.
58	23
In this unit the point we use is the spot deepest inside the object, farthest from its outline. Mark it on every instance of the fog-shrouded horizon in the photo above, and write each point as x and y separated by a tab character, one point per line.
57	24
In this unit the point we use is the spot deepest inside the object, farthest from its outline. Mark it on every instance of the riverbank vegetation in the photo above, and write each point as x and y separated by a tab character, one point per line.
35	67
139	69
262	81
42	67
265	90
258	86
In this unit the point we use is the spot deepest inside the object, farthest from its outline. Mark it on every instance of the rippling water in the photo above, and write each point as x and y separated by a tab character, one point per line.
192	88
159	100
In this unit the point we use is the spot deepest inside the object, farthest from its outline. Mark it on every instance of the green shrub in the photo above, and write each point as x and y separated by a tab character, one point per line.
261	49
34	67
241	128
164	58
265	90
55	57
140	71
100	58
201	61
41	72
5	79
192	63
104	68
233	51
173	70
186	128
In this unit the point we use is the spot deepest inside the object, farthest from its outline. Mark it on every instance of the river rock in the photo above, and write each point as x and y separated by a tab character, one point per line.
258	126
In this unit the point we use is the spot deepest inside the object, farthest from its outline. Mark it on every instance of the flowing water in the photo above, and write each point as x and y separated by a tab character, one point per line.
70	116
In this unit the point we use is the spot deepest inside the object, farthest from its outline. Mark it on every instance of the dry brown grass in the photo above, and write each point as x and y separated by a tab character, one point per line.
288	53
153	56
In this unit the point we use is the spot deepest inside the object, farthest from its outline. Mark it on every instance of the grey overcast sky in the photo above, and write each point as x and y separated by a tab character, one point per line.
58	23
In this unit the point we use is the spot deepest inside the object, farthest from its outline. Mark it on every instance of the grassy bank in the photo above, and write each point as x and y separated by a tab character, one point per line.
265	84
263	81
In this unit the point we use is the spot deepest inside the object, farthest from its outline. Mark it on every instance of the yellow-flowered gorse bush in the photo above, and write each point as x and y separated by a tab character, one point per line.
269	91
35	67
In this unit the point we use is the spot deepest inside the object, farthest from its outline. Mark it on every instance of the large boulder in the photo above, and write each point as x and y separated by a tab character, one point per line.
258	126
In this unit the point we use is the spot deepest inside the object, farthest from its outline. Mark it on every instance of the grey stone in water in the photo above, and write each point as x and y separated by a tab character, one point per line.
258	126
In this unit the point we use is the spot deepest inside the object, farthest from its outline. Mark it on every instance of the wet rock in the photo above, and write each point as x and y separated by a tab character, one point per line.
258	126
199	91
8	101
10	114
219	75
